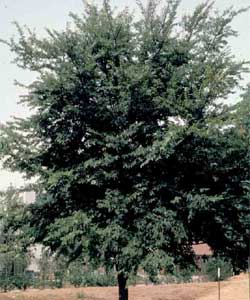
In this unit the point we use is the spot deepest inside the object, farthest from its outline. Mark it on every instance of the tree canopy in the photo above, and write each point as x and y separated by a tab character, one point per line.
136	150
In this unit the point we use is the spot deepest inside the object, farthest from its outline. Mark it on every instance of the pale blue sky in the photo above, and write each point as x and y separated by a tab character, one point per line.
54	14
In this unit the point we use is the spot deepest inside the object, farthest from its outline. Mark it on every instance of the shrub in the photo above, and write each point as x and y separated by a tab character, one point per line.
75	273
95	278
59	278
13	271
210	268
185	274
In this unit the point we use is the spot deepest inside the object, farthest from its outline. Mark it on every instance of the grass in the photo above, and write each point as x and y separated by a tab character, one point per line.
80	295
19	297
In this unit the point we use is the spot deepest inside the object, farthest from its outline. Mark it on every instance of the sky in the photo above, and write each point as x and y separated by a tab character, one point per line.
54	14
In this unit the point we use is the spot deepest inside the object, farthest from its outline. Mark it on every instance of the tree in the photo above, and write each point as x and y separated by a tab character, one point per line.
128	138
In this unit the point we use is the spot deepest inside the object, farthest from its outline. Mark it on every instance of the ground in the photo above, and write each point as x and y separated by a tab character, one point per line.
233	289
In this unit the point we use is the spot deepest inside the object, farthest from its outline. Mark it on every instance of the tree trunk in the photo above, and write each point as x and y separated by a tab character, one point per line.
123	290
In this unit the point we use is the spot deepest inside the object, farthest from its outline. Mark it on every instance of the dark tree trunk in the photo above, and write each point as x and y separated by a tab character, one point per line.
123	290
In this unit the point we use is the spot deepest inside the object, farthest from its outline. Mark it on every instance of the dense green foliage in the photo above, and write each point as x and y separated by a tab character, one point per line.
128	138
78	276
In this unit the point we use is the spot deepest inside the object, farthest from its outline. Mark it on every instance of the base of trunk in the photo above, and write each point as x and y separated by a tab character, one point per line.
122	283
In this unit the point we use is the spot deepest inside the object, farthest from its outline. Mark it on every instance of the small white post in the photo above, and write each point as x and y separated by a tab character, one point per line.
218	276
